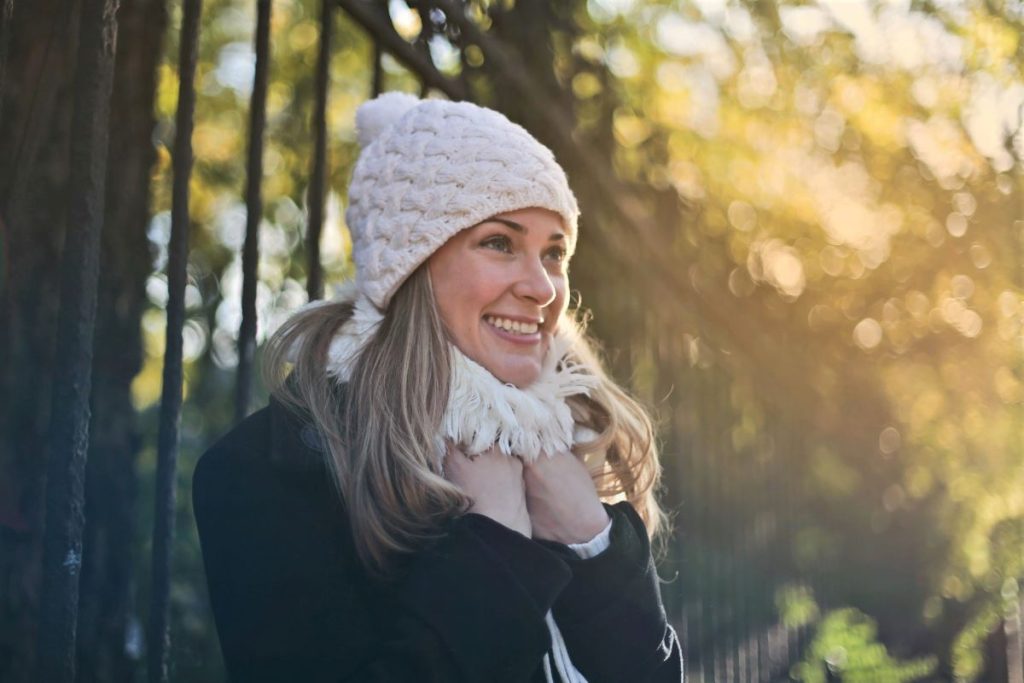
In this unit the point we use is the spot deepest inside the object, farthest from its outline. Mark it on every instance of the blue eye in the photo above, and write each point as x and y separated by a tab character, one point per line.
498	243
557	254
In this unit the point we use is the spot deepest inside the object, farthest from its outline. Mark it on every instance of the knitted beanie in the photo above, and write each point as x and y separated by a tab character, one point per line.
429	169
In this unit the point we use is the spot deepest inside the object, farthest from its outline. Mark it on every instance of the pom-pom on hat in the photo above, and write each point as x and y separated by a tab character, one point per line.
429	169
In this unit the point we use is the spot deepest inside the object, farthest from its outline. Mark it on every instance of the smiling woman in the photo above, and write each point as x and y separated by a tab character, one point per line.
446	486
501	289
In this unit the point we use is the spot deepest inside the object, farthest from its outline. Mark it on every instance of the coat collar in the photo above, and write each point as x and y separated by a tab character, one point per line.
295	443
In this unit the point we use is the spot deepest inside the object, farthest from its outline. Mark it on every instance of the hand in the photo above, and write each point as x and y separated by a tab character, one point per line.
494	482
562	499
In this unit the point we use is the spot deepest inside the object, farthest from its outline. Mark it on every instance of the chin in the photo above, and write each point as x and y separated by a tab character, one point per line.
520	377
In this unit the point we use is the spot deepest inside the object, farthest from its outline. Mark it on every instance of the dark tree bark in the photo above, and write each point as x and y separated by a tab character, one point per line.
33	192
36	132
69	417
109	634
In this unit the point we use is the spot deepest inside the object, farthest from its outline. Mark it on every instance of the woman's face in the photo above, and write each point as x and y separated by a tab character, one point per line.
501	288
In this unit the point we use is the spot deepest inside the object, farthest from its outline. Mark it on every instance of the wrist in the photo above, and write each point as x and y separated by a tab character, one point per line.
584	530
517	520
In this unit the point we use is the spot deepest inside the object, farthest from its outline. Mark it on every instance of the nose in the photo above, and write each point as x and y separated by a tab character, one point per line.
534	283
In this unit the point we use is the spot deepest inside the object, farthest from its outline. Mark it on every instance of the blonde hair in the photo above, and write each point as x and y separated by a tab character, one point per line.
381	428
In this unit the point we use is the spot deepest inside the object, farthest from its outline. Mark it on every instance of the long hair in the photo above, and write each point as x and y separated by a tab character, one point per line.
381	429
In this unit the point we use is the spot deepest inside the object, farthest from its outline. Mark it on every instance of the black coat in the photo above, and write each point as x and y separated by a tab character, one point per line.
292	603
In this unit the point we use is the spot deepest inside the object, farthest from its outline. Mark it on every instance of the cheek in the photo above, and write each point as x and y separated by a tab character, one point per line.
561	302
463	295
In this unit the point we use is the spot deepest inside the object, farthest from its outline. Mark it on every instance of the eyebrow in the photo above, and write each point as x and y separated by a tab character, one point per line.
519	227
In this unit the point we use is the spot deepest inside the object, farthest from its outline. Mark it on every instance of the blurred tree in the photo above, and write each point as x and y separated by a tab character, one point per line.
36	108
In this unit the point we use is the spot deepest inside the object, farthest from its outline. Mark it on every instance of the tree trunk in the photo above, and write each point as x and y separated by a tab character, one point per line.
36	113
109	637
32	204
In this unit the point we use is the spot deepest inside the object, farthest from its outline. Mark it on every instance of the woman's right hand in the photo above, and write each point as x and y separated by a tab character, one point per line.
494	482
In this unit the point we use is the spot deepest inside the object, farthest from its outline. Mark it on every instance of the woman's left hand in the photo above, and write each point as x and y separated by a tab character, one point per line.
562	499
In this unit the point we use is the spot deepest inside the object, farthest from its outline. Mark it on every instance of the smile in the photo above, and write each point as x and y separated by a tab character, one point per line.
512	326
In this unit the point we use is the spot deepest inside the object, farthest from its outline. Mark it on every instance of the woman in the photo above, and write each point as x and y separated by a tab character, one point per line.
422	498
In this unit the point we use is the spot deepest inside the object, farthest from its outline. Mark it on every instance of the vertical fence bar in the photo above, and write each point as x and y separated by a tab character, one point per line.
1012	631
69	416
790	508
254	212
314	279
422	42
720	616
6	17
378	69
170	400
727	513
706	588
739	494
700	525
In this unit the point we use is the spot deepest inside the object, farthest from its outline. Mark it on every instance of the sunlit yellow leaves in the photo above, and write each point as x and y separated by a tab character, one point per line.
981	257
941	144
216	143
778	264
630	130
963	319
167	91
756	83
889	440
834	476
279	96
869	107
990	41
672	109
405	20
687	178
925	409
162	163
622	61
919	481
474	56
1007	385
586	85
589	47
867	334
303	36
146	385
796	605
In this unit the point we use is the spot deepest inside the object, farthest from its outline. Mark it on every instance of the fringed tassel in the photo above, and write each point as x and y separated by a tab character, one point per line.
482	411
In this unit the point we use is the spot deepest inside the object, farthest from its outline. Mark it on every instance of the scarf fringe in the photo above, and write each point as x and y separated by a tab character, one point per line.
483	411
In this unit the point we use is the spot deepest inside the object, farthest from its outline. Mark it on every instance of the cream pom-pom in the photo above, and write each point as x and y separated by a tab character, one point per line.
374	117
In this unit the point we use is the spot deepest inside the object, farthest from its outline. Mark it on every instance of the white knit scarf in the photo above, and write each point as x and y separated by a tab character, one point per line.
482	410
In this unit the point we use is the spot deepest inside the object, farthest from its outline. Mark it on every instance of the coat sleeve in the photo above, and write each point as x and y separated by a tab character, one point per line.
611	614
288	607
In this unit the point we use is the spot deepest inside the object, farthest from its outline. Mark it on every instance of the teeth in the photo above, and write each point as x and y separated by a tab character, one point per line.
512	326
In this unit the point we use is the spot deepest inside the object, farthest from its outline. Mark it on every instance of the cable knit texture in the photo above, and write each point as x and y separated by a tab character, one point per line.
431	168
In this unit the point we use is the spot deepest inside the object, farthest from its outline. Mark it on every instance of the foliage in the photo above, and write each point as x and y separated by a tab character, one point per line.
846	643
